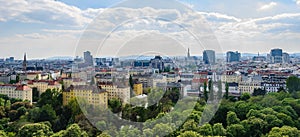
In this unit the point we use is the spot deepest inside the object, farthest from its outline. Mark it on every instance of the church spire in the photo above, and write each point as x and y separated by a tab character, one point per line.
188	54
25	63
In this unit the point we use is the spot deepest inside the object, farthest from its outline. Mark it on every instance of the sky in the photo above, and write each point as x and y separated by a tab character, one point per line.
47	28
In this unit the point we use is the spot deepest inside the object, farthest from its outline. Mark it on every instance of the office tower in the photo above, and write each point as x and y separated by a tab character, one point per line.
188	54
233	56
157	63
276	56
209	57
24	63
285	58
88	58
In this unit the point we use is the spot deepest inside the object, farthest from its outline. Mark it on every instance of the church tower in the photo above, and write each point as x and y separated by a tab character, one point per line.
188	54
24	63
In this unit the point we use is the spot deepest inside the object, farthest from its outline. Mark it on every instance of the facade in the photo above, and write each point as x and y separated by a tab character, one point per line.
138	88
17	91
73	81
231	77
285	58
92	94
276	56
233	56
209	57
88	58
116	91
157	63
43	85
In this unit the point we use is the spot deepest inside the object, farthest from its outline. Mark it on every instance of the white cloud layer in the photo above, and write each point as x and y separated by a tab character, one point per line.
234	33
268	6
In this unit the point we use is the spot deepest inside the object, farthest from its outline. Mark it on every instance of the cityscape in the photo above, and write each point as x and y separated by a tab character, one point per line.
149	68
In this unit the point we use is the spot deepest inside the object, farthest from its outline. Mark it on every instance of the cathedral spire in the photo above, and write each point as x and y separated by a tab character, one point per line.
25	63
188	54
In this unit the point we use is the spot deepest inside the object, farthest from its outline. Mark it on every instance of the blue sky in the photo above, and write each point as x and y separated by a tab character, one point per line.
46	28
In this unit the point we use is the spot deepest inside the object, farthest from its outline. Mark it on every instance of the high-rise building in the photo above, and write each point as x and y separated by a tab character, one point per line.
157	63
276	56
285	58
88	58
233	56
209	57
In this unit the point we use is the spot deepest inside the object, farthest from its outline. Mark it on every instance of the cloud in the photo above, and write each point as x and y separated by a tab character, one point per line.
45	11
298	2
268	6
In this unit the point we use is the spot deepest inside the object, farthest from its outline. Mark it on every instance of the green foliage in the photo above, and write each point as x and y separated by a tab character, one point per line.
236	130
36	129
293	84
72	131
226	91
115	105
284	131
218	130
205	92
245	96
259	92
232	118
189	134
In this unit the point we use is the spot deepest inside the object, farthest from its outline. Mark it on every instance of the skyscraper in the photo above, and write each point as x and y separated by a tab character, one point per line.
88	58
209	57
285	58
233	56
276	56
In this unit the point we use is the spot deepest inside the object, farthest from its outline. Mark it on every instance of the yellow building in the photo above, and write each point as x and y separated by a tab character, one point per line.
73	81
43	85
92	94
138	88
231	77
249	86
117	91
17	91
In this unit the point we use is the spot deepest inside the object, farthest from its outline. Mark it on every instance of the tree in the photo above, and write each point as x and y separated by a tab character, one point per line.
226	91
293	84
162	129
72	131
35	94
3	134
218	130
36	129
115	105
205	91
259	92
206	130
220	93
189	134
131	82
211	90
236	130
232	118
245	96
284	131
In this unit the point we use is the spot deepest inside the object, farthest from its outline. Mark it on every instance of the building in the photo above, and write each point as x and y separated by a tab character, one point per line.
138	88
88	58
92	94
276	56
118	91
285	58
73	81
259	58
188	54
22	92
233	56
209	57
157	63
231	77
24	63
141	63
43	85
250	83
